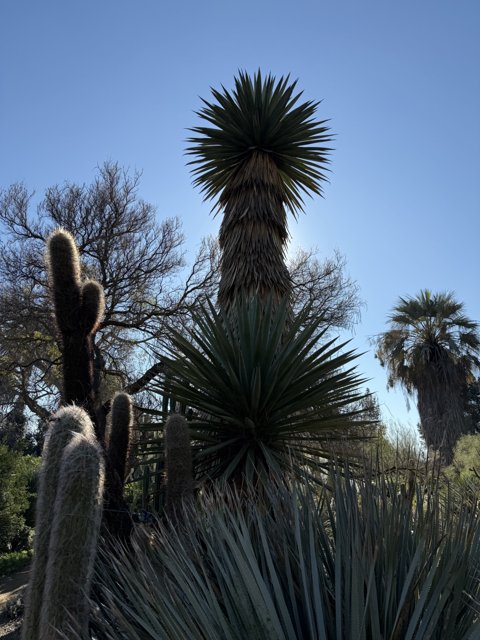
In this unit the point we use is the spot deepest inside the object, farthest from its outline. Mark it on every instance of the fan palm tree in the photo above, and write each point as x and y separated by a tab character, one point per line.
432	350
260	152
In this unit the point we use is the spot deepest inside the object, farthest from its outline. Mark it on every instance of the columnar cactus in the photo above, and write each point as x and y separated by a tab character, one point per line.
178	463
79	307
78	311
73	540
119	434
117	516
63	426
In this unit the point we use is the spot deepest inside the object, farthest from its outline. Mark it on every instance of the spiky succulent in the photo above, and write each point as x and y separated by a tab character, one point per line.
267	394
260	118
261	152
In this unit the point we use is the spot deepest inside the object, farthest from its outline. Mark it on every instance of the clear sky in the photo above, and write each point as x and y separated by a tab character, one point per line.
86	81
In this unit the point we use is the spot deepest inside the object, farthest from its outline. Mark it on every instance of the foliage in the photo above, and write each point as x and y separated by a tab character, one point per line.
14	561
367	561
260	152
16	476
260	116
465	468
432	350
266	391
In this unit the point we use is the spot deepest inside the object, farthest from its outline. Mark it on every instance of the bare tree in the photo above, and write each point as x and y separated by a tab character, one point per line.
326	286
138	261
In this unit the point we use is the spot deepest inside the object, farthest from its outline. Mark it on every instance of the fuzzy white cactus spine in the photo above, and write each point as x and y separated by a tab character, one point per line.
69	509
63	425
73	540
119	434
79	309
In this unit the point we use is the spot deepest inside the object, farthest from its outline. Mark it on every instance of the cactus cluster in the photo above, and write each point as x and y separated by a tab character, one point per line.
69	508
84	464
79	308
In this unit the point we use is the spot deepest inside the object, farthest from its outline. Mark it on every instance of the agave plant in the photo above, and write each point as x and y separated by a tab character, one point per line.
267	393
260	151
365	561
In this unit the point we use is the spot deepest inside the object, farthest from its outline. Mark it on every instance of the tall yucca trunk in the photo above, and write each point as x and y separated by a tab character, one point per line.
253	235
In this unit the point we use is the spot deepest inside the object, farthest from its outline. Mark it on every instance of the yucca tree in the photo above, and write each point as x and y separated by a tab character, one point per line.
260	152
269	394
432	350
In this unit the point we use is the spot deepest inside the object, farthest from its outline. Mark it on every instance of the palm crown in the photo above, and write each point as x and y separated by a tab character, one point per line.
432	350
261	152
429	330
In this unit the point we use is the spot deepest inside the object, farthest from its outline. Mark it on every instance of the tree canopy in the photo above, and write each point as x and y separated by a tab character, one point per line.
138	261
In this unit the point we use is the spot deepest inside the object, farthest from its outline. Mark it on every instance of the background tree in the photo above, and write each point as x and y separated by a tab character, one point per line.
432	350
326	288
260	152
138	261
472	405
464	471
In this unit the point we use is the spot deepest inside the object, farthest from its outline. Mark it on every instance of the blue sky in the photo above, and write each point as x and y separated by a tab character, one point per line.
92	80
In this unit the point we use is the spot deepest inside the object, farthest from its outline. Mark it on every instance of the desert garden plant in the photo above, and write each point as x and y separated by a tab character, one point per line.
260	150
367	560
266	392
432	349
69	511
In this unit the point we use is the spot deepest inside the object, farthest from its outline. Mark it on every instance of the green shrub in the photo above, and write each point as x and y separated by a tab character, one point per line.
16	475
368	560
14	561
465	469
